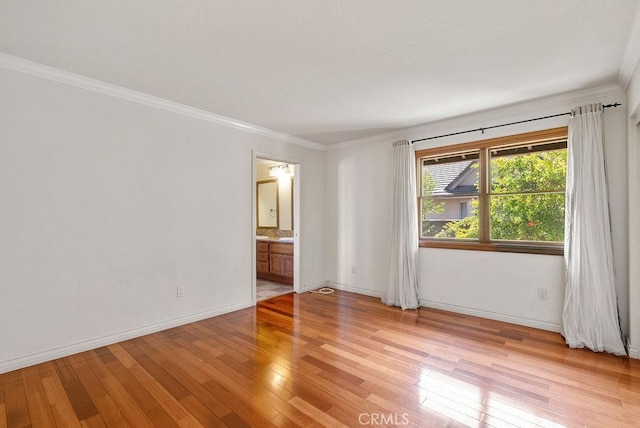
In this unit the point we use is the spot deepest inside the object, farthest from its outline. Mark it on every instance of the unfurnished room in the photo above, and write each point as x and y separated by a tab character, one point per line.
333	213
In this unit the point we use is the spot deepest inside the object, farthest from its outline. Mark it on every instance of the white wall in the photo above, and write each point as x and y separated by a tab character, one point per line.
358	216
108	205
495	285
633	101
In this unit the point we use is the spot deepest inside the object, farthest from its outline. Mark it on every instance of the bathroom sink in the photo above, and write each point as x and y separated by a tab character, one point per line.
287	239
262	237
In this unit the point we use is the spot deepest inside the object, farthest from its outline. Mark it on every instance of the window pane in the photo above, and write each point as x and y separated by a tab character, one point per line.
537	217
451	222
449	197
524	169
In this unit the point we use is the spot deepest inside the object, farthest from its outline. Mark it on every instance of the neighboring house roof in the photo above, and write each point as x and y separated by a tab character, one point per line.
450	176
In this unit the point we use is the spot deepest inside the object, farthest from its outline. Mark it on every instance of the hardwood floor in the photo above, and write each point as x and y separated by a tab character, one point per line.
329	360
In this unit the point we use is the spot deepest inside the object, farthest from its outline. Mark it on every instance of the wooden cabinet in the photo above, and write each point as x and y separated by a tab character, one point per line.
275	264
275	261
287	266
262	257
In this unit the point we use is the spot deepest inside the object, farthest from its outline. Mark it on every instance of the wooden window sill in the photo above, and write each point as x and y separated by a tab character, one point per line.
505	247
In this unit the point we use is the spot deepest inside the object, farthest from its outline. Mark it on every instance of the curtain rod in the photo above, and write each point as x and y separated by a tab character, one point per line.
505	124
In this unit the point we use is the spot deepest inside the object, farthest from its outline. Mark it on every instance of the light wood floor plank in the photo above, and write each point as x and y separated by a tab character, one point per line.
39	410
59	402
3	416
94	421
166	400
316	414
135	416
16	408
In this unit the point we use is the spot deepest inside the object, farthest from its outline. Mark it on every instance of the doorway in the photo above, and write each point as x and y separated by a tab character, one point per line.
276	219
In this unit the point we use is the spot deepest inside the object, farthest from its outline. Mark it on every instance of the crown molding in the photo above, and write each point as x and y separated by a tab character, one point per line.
507	113
71	79
631	53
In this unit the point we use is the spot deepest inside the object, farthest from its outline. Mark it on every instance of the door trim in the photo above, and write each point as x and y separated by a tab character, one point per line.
297	236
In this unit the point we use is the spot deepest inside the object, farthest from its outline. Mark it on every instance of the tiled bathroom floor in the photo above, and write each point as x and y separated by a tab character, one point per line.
268	289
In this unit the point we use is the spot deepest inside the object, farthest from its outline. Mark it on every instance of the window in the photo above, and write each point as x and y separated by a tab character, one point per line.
449	182
503	194
463	209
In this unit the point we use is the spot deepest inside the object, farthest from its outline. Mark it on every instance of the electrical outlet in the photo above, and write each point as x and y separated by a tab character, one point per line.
180	291
542	293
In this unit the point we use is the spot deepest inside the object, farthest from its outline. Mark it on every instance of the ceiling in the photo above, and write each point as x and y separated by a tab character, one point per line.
329	71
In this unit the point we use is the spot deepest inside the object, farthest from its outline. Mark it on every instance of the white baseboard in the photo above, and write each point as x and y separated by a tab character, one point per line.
543	325
313	286
528	322
85	345
357	290
633	350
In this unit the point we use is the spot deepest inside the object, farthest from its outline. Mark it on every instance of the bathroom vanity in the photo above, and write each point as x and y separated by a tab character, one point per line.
274	258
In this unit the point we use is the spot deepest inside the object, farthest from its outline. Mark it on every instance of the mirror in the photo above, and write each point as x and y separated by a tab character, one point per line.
269	171
267	204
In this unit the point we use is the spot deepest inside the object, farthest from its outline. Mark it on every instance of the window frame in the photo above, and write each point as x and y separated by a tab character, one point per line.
484	242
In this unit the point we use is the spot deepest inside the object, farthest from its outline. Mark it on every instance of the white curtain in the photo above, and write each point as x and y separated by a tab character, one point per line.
402	285
590	316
